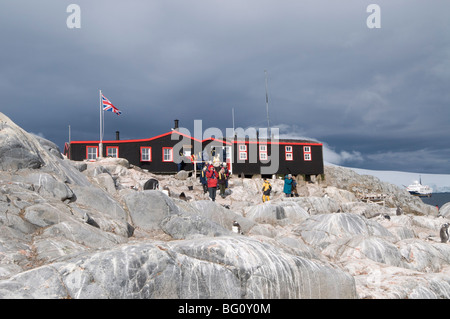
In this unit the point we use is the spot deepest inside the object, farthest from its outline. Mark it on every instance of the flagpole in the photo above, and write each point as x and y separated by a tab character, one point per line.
100	146
267	106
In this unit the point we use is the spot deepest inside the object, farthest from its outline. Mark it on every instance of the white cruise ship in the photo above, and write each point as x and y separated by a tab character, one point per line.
420	190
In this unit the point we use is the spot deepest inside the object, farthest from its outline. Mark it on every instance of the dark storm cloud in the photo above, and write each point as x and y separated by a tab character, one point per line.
376	98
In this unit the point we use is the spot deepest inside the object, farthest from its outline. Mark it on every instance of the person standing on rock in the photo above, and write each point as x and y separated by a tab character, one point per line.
222	181
266	189
294	191
288	185
180	165
212	176
227	174
204	179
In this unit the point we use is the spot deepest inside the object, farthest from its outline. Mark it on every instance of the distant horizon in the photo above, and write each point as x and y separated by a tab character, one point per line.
439	182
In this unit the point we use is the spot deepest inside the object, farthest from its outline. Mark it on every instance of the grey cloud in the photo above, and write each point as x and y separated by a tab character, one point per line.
362	92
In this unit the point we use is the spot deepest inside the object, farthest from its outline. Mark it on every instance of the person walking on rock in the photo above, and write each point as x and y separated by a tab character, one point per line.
227	174
288	185
204	179
266	189
212	176
222	181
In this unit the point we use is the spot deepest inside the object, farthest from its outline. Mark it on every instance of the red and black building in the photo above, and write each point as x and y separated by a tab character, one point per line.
169	152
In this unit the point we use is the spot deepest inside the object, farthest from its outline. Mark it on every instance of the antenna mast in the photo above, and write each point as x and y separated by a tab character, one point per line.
232	114
267	107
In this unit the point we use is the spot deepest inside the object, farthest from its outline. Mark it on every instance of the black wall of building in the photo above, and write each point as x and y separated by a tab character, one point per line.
297	166
131	150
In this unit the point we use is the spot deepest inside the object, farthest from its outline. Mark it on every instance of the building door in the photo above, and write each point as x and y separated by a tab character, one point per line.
229	158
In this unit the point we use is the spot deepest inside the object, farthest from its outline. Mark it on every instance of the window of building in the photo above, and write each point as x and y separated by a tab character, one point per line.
307	153
243	152
91	152
112	151
243	156
146	154
167	154
289	153
263	153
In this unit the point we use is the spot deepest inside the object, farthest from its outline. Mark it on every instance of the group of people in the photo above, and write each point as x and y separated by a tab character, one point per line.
213	176
289	189
217	176
290	186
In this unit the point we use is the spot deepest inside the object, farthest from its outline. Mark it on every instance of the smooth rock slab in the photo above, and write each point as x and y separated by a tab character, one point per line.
217	214
185	226
148	208
267	272
221	268
277	213
322	230
360	247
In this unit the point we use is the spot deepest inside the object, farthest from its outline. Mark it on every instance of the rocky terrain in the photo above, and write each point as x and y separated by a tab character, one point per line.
91	230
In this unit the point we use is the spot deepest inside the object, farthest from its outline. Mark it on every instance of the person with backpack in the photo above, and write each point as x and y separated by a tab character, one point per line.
227	174
266	189
222	181
212	176
204	179
294	188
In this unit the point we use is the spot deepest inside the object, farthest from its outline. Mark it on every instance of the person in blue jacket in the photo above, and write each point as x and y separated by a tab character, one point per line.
204	179
288	185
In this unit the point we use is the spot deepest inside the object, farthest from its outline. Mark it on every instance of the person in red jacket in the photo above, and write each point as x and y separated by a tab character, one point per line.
212	176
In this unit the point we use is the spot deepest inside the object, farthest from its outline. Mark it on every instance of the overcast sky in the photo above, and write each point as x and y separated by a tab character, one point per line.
378	98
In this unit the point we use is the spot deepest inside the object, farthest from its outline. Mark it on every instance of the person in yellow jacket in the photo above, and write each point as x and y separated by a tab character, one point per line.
266	189
222	181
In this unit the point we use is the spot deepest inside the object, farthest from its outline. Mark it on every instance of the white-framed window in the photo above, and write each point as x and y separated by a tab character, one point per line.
289	153
307	153
146	154
91	152
112	151
263	152
167	154
243	152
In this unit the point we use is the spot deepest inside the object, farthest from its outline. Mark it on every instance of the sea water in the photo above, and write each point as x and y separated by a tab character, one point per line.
438	199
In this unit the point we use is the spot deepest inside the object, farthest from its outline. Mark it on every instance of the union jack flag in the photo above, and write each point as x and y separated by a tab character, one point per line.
108	106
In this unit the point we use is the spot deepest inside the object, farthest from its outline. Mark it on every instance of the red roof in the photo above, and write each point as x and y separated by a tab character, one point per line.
281	142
